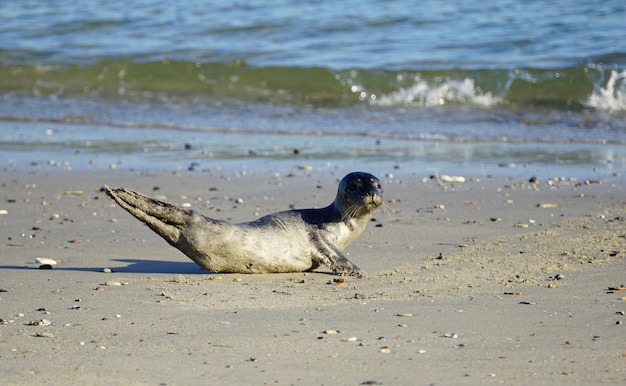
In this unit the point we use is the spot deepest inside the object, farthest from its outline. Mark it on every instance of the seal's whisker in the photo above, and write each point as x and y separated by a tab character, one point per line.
388	209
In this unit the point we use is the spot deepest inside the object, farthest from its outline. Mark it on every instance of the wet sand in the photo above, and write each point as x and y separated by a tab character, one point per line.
490	281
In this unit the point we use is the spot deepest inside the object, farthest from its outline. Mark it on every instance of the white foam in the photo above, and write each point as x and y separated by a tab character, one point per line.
612	97
449	91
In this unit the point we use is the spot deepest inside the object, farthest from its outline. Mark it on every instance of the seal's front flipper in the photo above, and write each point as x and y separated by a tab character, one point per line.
163	218
330	256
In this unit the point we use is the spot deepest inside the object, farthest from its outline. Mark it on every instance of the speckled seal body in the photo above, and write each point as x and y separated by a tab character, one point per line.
290	241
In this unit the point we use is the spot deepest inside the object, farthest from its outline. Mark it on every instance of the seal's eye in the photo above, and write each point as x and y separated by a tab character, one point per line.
352	187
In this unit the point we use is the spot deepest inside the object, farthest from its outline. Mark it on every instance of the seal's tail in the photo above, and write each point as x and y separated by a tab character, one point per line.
163	218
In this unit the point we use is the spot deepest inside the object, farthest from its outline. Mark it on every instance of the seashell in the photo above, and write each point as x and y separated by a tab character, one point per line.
45	260
447	178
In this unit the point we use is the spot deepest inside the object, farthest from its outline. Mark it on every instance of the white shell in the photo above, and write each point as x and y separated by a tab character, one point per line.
45	260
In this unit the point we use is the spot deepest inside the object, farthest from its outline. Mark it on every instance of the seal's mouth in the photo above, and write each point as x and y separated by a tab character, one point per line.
371	201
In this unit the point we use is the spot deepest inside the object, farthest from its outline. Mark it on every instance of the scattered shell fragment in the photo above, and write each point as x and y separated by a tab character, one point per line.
551	285
110	283
547	205
331	332
513	293
405	315
107	270
44	334
306	168
4	211
351	339
617	288
179	279
385	350
73	193
452	335
559	276
45	260
447	178
215	278
42	322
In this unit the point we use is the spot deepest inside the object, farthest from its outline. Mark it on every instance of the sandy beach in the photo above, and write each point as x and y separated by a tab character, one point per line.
490	281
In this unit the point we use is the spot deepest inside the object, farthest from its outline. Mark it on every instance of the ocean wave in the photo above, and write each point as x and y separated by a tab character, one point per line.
571	88
447	92
611	97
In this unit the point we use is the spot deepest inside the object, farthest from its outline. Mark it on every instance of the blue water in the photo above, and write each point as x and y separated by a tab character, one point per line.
531	73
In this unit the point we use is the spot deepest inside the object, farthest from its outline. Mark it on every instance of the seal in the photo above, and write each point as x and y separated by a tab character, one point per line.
291	241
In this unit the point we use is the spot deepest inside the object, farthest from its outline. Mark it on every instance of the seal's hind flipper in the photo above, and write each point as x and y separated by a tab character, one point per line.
163	218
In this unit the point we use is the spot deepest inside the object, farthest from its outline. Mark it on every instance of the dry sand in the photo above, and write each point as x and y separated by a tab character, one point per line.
470	283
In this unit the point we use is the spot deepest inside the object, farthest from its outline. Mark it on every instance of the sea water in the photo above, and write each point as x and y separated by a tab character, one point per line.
418	85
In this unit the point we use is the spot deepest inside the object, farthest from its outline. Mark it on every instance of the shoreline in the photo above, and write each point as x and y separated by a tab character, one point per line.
478	259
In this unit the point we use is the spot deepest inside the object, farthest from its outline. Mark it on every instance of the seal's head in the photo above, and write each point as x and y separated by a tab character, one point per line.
359	194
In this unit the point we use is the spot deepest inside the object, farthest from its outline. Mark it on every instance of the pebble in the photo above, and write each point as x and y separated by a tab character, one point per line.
107	270
385	350
405	315
111	283
331	332
452	335
44	334
559	276
4	211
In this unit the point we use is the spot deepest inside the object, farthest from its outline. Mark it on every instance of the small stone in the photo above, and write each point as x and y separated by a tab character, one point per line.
107	270
331	332
405	315
44	334
385	350
452	335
